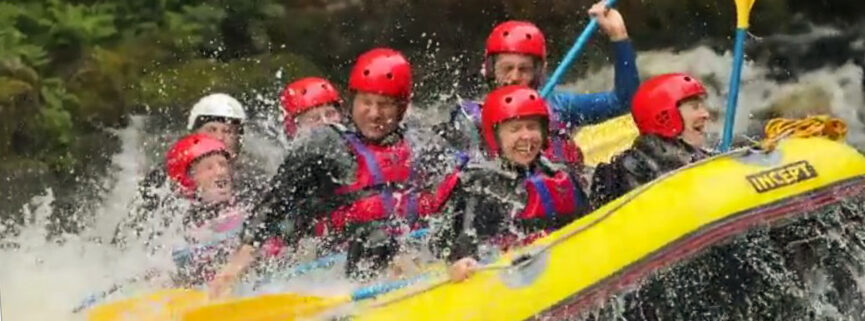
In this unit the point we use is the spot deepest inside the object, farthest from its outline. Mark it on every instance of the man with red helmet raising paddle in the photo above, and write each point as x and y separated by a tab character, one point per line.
671	114
521	195
516	53
361	185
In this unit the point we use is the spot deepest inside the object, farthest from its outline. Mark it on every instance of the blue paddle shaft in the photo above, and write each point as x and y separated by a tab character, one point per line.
733	95
378	289
328	261
572	54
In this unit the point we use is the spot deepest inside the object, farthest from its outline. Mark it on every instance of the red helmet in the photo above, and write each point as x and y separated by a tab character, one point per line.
305	94
506	103
517	37
187	150
382	71
656	103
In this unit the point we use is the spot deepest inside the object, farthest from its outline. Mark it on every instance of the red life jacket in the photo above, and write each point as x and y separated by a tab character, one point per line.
384	176
549	197
560	148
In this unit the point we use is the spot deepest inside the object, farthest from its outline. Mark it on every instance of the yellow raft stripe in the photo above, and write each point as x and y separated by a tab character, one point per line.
706	236
671	209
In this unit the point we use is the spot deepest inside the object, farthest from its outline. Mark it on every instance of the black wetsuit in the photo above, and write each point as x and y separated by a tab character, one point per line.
304	192
650	157
484	208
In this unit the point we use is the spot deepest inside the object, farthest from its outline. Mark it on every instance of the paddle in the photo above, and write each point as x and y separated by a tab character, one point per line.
157	306
325	262
743	13
289	306
92	299
572	54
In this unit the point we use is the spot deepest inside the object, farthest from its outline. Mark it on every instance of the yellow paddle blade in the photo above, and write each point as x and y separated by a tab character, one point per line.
603	141
276	307
163	305
743	13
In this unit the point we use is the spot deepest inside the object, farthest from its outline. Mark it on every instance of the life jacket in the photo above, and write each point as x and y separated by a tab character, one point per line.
553	196
551	202
383	182
208	245
560	148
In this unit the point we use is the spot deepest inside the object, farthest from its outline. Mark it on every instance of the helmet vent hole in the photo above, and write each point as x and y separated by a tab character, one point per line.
687	78
506	33
389	75
366	72
663	118
303	92
508	100
532	97
529	36
323	86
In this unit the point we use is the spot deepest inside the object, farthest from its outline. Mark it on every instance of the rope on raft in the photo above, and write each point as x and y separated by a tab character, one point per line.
811	126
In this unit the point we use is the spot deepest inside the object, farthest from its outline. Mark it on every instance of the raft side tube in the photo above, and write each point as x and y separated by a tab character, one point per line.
662	222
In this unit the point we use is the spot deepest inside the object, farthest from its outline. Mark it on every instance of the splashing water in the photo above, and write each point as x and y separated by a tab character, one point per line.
44	280
830	90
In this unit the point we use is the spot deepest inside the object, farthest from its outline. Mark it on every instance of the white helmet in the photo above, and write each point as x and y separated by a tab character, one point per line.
216	105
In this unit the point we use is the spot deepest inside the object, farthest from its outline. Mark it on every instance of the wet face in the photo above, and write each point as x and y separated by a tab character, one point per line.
375	115
325	114
521	139
695	116
514	69
228	133
212	177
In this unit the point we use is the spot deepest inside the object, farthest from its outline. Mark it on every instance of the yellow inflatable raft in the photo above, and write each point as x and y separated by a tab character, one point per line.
651	227
654	226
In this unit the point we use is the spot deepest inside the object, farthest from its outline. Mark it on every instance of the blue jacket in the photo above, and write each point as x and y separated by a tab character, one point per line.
574	109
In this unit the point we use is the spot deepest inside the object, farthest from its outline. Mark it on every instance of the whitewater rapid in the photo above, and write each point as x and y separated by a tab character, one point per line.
44	280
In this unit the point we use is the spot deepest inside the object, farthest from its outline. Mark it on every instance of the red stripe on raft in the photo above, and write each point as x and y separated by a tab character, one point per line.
696	241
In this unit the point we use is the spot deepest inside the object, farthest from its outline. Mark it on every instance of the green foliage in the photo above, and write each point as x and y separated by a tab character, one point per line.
51	131
13	42
172	89
55	117
78	24
194	26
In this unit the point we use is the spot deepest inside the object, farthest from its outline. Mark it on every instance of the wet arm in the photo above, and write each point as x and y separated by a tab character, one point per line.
583	109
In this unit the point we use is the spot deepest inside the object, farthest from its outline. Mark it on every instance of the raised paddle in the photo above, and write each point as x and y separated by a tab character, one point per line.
743	14
572	54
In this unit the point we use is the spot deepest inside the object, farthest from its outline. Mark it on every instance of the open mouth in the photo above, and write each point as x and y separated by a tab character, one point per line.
223	183
700	128
525	149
